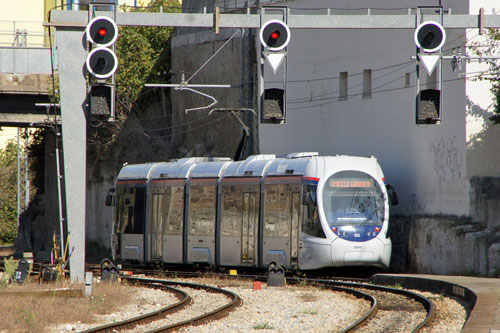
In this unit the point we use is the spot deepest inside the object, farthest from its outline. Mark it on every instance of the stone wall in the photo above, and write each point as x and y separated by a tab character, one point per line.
205	133
99	217
452	245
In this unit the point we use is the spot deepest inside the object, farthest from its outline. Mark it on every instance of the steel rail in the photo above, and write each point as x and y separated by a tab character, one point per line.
340	286
184	300
424	301
359	294
218	313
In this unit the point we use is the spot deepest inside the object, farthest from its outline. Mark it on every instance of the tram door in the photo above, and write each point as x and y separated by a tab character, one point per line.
130	222
249	228
281	222
166	220
239	222
201	221
156	225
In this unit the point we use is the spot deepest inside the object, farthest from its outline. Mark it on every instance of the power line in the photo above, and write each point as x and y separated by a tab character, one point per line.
336	98
192	128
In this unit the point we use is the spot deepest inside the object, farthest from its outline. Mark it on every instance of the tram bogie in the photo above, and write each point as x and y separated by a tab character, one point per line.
304	211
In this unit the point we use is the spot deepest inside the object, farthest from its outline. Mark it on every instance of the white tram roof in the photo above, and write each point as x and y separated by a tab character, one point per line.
210	169
181	168
293	164
135	171
253	166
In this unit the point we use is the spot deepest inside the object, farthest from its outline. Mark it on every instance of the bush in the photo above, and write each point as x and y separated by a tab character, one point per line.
8	194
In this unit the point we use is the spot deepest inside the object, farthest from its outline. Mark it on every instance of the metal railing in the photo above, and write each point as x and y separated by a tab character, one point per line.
23	34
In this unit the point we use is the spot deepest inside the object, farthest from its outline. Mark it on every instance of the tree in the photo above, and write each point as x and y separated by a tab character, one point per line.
491	48
144	52
8	193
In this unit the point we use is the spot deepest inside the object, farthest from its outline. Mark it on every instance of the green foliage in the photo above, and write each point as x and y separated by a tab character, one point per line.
263	326
491	48
144	52
8	194
10	268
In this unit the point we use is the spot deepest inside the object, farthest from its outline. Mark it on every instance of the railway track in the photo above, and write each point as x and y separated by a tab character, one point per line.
393	309
390	309
184	301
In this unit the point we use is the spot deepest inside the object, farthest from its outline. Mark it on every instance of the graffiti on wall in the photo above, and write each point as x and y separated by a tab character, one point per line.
415	206
448	159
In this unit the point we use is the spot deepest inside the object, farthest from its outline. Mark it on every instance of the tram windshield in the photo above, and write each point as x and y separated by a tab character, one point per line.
353	198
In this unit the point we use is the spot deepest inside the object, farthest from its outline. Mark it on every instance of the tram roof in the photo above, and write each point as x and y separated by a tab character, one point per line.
180	168
288	166
135	171
210	169
253	166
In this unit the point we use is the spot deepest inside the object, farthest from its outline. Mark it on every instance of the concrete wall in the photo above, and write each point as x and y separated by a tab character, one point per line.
446	246
426	164
220	133
452	245
99	218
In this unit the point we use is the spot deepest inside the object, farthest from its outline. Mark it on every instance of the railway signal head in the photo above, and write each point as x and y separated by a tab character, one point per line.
102	31
274	35
102	62
429	36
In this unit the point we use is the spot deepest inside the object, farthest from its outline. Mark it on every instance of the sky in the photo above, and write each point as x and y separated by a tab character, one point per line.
7	133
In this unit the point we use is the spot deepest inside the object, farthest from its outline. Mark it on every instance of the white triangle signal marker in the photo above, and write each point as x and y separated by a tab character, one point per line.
275	59
430	61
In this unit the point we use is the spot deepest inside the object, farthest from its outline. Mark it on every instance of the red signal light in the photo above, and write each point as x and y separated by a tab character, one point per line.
274	35
102	31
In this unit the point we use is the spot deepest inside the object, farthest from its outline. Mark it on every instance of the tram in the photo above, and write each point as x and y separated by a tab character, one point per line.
303	211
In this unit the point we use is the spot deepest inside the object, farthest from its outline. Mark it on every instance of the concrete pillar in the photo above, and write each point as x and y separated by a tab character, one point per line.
71	55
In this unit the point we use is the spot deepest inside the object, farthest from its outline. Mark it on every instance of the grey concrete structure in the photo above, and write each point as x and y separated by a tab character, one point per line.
71	47
25	74
25	60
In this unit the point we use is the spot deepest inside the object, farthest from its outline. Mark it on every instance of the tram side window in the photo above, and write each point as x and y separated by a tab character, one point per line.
131	202
174	210
202	210
277	210
232	209
310	219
